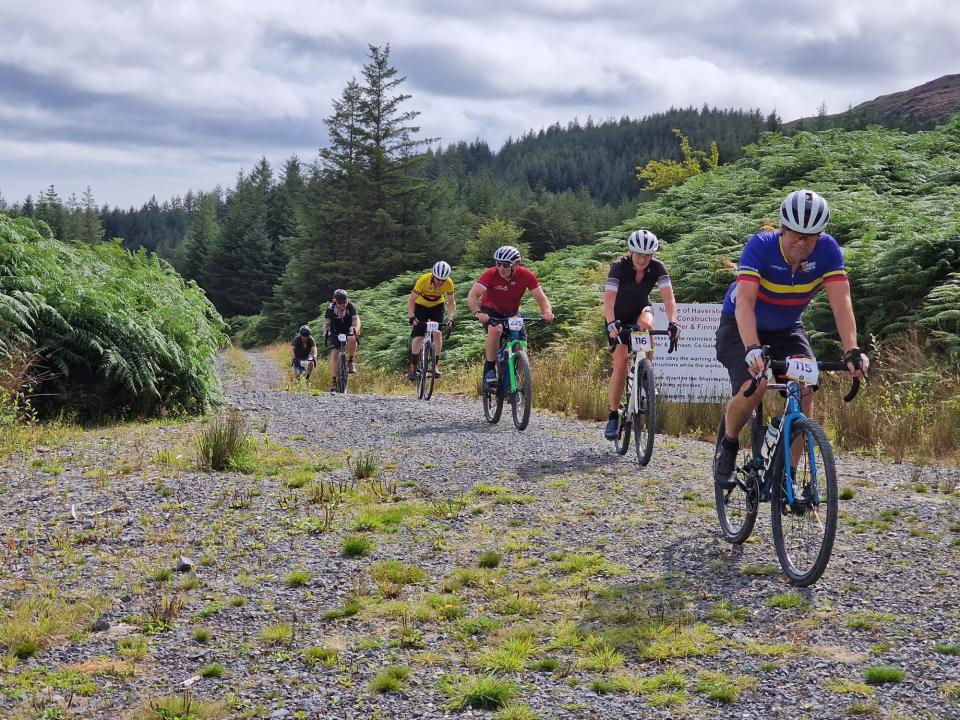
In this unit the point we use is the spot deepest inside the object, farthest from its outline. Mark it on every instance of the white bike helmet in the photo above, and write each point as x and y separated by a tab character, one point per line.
805	212
643	242
506	253
441	270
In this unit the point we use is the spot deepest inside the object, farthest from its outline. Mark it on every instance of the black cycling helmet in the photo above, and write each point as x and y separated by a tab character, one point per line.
339	294
305	330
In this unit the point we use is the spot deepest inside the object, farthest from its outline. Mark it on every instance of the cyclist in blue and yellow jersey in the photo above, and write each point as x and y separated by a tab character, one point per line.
778	275
426	303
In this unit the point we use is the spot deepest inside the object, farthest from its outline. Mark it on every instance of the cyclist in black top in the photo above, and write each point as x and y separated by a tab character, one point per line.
626	301
303	347
341	318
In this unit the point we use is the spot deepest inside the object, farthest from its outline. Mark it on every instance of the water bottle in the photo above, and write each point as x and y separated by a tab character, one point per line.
770	439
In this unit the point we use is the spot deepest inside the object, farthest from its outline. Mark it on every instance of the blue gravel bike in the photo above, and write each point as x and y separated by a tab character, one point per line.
790	464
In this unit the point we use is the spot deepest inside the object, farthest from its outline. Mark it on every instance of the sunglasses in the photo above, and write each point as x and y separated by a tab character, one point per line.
504	264
340	302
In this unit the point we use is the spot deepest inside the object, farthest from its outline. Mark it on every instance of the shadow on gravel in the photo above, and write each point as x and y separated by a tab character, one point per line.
579	461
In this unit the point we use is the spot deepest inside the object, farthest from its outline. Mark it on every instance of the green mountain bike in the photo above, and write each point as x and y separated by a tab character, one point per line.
514	380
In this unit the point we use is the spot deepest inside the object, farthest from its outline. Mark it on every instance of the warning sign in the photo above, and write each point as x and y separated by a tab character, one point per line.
692	373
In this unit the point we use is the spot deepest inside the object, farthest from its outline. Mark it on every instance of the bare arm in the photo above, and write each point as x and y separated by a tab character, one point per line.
451	306
541	297
838	295
473	297
669	302
609	301
411	302
746	312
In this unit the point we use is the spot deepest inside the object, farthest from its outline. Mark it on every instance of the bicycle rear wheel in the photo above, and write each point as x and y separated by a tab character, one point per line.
645	419
625	422
803	532
492	402
342	373
521	399
737	507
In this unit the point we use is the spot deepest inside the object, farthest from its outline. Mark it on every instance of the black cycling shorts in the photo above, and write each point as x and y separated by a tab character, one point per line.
335	341
731	352
423	313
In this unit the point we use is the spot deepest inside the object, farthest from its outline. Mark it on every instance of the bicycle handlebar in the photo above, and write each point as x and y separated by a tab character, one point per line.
674	340
779	366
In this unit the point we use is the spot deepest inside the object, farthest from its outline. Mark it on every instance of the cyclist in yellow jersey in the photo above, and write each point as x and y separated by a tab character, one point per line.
426	303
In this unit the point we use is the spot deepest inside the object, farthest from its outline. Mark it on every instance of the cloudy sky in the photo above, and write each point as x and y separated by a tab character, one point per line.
139	98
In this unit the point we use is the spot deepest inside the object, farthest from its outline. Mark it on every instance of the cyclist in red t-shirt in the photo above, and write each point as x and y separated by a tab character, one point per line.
497	294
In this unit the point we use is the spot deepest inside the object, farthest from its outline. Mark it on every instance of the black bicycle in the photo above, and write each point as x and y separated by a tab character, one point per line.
514	379
790	464
341	366
638	410
427	361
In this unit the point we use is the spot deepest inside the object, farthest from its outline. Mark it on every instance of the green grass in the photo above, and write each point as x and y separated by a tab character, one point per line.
787	601
718	687
883	675
602	659
391	679
481	692
297	578
725	613
316	655
516	712
847	493
201	636
391	576
277	634
33	622
947	648
355	546
759	570
510	656
868	620
489	559
213	670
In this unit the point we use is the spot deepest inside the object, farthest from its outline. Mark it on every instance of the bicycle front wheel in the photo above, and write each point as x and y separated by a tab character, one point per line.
492	403
645	419
625	422
521	399
804	531
430	369
342	373
422	372
737	507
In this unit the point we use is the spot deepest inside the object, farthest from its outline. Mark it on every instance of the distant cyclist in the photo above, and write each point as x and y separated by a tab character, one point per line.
341	319
778	276
497	295
426	303
303	348
626	302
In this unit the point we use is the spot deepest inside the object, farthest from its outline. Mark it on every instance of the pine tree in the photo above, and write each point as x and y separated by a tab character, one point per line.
90	228
201	240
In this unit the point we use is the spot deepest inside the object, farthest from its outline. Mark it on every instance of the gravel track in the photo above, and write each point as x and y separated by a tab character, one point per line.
565	483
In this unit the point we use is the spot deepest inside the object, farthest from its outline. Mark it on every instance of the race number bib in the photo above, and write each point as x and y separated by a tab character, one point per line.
341	337
515	324
803	370
640	341
432	326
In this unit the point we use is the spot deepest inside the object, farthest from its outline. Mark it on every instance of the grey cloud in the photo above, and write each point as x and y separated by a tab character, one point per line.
442	70
77	115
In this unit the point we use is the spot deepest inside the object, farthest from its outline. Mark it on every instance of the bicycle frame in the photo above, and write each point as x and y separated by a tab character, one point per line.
792	411
513	344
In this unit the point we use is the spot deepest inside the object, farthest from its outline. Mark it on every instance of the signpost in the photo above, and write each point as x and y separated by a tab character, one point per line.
692	373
